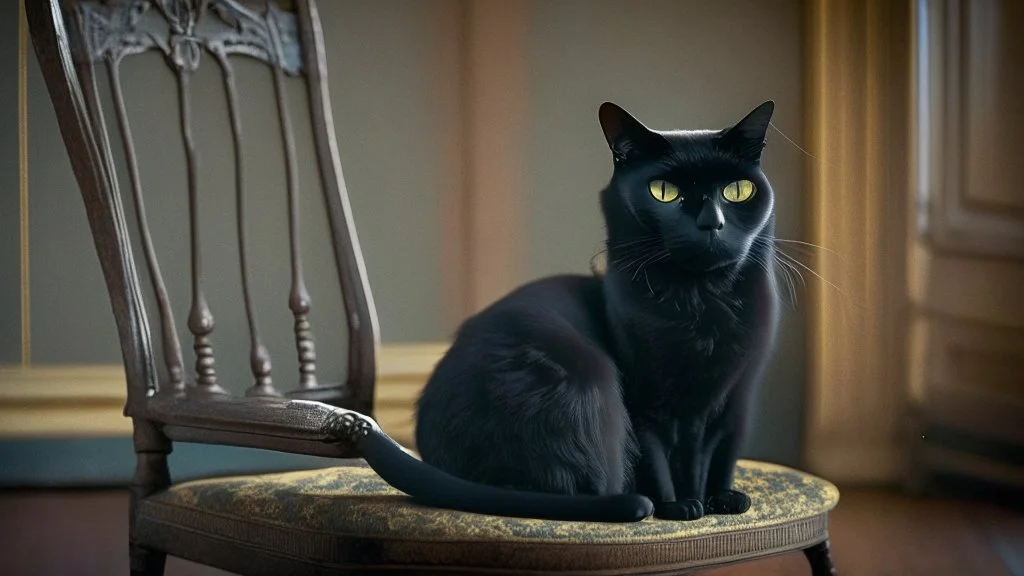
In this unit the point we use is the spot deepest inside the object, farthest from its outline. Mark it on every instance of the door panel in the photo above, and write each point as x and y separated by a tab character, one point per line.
966	268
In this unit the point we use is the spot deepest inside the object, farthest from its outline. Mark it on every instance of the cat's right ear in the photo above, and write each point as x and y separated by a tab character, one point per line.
626	136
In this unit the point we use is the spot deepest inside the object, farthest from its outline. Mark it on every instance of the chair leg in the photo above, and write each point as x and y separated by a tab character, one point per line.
151	475
146	562
820	558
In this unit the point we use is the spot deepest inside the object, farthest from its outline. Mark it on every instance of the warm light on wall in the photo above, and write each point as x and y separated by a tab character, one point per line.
858	81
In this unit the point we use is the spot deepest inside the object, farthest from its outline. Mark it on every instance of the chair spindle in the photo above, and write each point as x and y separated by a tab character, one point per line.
200	318
298	301
173	360
259	357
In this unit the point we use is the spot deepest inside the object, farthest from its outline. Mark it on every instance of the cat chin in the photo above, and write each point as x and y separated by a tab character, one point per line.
702	260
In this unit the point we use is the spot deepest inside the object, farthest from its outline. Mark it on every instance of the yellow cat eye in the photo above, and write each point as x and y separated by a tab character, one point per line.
739	191
663	191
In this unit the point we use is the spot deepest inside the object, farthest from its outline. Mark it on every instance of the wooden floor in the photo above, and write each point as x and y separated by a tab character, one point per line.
874	533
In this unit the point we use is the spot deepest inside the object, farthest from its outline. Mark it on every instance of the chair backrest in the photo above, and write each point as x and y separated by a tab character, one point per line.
75	41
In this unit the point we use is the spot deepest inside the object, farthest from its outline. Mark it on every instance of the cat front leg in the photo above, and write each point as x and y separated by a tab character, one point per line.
720	496
654	480
687	464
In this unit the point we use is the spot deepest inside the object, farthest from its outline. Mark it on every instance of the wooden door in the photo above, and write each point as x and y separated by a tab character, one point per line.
966	243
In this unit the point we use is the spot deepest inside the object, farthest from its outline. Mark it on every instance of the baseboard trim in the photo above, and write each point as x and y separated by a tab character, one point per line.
110	462
856	464
78	401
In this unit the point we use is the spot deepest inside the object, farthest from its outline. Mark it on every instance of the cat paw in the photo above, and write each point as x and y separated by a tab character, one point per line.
689	509
728	502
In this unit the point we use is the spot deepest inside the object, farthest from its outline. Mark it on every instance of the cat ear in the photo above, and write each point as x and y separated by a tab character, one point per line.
747	138
626	136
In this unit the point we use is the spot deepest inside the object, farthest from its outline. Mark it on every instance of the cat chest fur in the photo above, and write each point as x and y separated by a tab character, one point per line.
685	355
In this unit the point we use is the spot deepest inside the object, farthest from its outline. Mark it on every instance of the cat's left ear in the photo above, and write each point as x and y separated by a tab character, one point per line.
747	138
627	137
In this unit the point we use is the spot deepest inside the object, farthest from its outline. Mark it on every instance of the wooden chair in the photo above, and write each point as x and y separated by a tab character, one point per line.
336	519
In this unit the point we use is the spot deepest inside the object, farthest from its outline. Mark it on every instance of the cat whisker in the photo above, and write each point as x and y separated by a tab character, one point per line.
783	270
787	270
798	255
633	254
656	257
627	249
789	267
775	258
800	148
636	258
808	246
644	240
819	276
629	262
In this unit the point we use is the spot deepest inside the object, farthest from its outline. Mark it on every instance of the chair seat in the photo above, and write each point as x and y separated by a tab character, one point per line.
321	521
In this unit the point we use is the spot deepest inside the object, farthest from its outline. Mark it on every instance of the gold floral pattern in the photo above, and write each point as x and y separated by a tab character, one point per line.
353	500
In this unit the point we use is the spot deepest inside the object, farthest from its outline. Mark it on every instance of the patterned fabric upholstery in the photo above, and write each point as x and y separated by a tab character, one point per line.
348	515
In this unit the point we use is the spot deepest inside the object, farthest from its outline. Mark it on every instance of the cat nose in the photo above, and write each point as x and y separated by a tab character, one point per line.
710	217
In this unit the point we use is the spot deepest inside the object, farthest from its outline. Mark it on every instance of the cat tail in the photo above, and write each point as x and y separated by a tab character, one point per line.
434	487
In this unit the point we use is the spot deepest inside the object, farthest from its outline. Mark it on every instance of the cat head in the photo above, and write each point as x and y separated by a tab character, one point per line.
699	196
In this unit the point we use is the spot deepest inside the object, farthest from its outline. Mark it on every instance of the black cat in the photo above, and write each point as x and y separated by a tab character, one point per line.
596	397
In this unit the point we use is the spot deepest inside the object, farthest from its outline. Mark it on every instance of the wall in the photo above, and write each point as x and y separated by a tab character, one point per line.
672	64
10	315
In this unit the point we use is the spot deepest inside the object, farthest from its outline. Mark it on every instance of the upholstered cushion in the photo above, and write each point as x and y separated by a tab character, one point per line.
349	516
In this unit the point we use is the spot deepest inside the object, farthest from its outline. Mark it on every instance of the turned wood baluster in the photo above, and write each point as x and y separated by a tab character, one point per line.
259	357
298	300
200	319
171	345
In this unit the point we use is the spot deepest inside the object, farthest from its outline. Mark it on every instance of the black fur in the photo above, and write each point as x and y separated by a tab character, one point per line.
574	395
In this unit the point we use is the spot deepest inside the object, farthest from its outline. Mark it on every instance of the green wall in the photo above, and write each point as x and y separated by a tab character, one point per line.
10	315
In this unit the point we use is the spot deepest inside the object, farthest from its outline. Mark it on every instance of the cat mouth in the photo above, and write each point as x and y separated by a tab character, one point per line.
705	255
